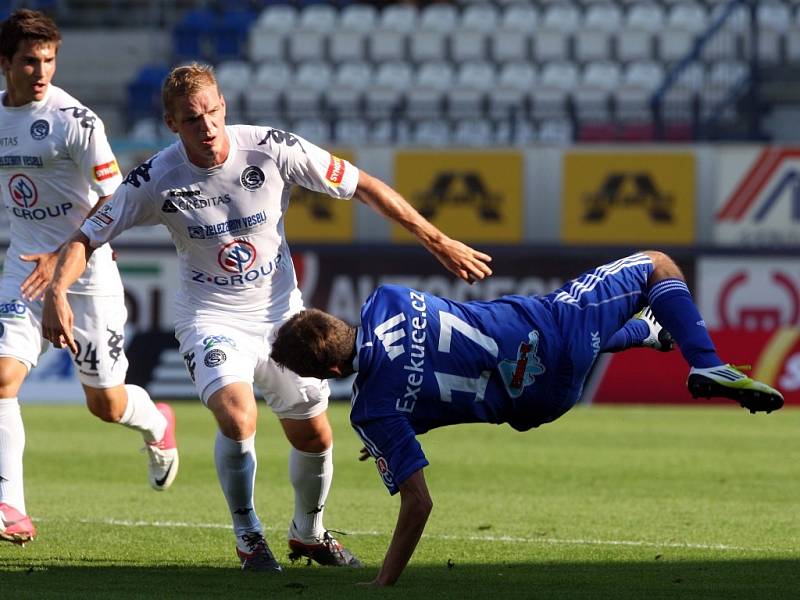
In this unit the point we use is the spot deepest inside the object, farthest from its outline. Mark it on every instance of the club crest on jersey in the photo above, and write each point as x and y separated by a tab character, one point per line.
252	178
40	129
520	373
214	358
23	190
237	256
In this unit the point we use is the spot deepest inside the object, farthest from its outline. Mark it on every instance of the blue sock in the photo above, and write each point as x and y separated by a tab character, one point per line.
674	308
632	334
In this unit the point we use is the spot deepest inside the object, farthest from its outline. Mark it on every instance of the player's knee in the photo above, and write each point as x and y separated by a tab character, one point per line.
12	374
663	266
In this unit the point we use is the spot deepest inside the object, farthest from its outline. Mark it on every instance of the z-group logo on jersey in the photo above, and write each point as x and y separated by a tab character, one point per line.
237	257
252	178
23	191
242	255
40	129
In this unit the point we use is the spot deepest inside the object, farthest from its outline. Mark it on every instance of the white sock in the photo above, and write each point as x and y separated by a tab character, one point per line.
12	445
236	470
142	415
311	475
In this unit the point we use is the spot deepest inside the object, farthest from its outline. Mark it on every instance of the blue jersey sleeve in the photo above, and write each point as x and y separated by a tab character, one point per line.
394	446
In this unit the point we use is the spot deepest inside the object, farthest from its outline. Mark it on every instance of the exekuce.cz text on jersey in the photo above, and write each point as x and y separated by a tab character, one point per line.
425	361
55	162
227	222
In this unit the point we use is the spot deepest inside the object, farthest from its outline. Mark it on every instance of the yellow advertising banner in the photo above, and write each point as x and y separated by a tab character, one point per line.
628	198
471	196
315	217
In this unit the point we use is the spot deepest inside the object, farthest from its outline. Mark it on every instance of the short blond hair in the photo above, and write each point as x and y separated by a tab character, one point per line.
184	81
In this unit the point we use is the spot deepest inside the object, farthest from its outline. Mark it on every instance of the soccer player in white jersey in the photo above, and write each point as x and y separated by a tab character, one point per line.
55	163
222	192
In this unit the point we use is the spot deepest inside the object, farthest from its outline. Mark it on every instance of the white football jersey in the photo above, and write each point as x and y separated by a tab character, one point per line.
227	221
55	161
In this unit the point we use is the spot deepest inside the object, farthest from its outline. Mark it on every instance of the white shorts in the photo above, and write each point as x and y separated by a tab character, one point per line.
99	323
219	351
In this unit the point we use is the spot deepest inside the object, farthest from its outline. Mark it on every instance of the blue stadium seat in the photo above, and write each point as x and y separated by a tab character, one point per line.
192	34
230	34
144	92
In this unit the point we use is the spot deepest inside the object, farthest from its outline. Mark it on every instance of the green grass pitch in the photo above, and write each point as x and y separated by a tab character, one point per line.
622	503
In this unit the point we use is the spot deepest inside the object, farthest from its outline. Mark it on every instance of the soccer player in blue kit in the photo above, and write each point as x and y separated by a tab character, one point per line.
422	362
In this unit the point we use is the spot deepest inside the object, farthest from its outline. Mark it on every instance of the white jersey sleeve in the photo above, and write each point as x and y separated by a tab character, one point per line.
88	147
131	205
310	166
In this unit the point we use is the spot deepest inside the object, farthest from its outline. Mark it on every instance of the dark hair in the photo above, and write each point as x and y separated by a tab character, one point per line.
312	341
26	24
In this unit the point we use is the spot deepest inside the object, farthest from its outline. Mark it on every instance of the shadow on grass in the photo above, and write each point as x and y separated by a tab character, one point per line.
729	579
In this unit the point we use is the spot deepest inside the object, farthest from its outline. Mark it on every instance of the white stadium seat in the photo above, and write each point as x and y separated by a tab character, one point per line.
427	45
521	16
358	17
439	17
483	17
474	81
386	45
645	15
425	98
564	17
508	44
399	17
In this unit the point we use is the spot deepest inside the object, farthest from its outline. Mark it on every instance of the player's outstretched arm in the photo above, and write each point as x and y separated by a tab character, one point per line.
415	507
57	314
461	260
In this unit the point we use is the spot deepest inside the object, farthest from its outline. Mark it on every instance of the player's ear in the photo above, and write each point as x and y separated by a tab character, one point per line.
169	120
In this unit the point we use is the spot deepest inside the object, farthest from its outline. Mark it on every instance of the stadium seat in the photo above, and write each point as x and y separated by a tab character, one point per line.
632	97
473	133
474	81
439	17
233	78
592	43
263	100
793	44
603	15
509	44
425	99
399	17
689	16
318	17
509	99
426	45
351	82
303	97
562	16
386	94
346	45
674	43
592	94
480	17
230	34
645	15
550	97
633	43
431	133
468	44
144	92
192	35
350	132
550	45
386	45
267	37
358	17
556	131
521	16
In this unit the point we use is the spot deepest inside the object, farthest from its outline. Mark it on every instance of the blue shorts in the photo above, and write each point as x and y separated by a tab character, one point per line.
591	308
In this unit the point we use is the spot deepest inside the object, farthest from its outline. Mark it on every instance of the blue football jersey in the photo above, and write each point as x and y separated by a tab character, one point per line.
426	362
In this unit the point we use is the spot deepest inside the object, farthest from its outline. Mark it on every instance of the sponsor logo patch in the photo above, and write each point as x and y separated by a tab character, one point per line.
237	257
252	178
214	358
40	129
106	171
217	340
23	191
103	216
335	172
